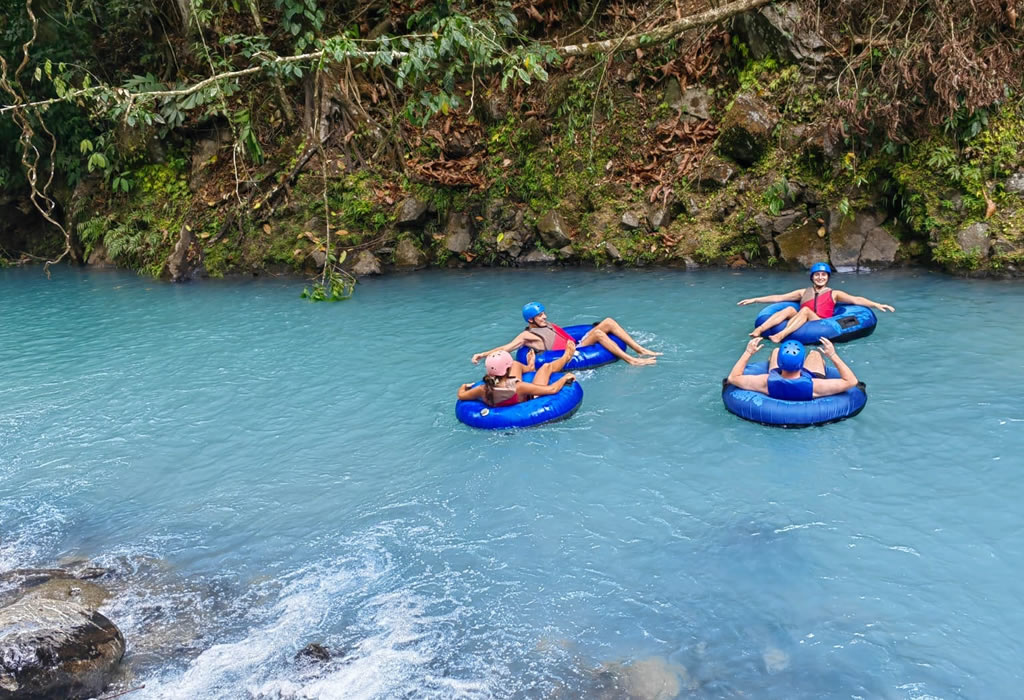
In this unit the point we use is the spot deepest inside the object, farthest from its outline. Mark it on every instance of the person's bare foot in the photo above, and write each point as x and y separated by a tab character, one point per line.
570	350
531	356
649	353
756	333
640	361
777	338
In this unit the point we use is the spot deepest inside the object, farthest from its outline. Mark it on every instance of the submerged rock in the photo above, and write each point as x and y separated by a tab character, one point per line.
648	679
55	584
313	652
56	649
775	660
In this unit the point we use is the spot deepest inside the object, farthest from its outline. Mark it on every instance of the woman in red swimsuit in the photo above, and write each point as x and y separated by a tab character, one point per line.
816	302
504	386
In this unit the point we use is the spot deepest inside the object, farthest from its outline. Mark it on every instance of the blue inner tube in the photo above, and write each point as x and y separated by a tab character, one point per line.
848	322
761	408
541	409
588	356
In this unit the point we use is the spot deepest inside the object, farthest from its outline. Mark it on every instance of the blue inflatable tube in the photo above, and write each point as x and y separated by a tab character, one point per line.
588	356
847	323
761	408
542	409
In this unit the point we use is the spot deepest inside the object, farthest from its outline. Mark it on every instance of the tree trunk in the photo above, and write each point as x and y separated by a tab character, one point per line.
669	31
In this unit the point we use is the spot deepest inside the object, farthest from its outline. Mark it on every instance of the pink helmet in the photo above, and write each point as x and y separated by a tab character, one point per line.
498	364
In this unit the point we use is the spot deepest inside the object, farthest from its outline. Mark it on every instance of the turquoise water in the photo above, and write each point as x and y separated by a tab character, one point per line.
262	473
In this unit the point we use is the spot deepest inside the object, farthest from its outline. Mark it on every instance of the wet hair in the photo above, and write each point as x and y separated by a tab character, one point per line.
490	381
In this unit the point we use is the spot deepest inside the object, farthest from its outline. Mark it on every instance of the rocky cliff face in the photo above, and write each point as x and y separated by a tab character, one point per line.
707	151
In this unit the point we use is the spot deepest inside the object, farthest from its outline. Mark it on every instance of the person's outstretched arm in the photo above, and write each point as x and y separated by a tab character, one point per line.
467	392
752	382
512	346
847	379
773	298
530	389
844	298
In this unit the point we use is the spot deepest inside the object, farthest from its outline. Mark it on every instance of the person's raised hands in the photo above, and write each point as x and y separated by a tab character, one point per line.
827	348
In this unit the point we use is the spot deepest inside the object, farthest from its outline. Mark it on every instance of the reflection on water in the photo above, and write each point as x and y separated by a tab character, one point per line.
261	474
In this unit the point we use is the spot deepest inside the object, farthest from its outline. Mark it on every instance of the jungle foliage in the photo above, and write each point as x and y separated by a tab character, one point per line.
100	90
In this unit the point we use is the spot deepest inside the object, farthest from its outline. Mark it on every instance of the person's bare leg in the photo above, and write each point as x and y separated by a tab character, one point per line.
774	320
543	376
596	336
802	317
610	325
815	363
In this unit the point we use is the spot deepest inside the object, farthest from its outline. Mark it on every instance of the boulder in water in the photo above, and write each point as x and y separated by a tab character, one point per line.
56	649
313	652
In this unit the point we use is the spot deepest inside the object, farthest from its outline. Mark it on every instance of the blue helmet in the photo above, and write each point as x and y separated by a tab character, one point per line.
791	355
820	267
531	310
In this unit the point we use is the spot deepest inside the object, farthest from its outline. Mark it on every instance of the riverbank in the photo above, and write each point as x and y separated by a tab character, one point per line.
709	151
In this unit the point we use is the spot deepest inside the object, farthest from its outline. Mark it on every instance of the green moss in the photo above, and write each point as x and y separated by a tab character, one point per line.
353	205
162	183
949	254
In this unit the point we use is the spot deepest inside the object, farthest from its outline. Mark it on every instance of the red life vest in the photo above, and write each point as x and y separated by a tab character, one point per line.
822	304
554	337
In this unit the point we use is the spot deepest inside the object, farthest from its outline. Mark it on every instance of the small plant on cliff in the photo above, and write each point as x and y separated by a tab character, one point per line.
776	195
335	284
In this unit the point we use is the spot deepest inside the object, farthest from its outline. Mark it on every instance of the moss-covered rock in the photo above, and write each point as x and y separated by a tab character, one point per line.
746	131
408	255
802	245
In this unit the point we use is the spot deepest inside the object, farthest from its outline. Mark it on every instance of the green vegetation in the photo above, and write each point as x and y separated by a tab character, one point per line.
313	120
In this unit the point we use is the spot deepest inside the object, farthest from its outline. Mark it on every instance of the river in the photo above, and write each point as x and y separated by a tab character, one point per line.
264	473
